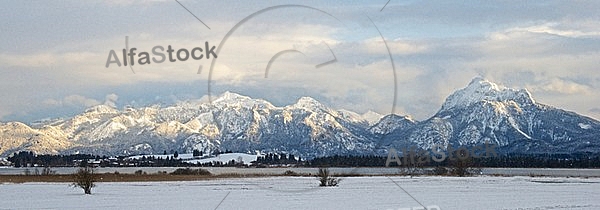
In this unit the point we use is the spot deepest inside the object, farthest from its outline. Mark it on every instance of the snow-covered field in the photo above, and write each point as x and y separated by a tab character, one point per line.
554	172
303	193
224	158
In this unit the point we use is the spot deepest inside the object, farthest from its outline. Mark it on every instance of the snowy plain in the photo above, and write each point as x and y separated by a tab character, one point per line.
189	158
379	192
553	172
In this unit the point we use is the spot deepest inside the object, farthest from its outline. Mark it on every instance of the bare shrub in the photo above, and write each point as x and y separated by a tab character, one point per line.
290	173
47	171
139	172
440	170
84	178
325	179
464	167
189	171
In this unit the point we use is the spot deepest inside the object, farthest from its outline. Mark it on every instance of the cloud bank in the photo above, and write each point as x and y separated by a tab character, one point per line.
53	56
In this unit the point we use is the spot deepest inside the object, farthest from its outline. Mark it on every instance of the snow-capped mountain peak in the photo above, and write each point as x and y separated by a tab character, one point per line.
234	99
309	103
392	122
481	90
372	117
101	109
232	96
481	112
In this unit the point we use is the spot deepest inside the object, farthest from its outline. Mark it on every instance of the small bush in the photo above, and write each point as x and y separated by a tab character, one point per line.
139	172
325	179
47	171
290	173
84	178
189	171
464	168
332	182
440	171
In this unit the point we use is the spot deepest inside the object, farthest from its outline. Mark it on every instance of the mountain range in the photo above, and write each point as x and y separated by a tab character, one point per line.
479	113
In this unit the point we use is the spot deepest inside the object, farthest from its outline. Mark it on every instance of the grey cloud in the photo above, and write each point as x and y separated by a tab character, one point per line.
111	100
439	47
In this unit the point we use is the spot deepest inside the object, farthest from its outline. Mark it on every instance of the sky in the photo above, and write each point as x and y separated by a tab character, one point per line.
54	55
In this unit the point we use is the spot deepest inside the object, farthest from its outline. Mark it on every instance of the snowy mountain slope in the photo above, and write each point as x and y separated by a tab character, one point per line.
481	112
391	123
231	122
17	136
510	118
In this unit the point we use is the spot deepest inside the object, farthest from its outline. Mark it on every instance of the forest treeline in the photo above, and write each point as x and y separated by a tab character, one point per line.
578	160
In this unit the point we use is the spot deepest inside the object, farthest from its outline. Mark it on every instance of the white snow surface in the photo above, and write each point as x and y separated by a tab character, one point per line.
372	117
482	90
584	126
303	193
191	125
224	158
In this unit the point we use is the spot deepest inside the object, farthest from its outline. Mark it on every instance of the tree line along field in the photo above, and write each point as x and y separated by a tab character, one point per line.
577	160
